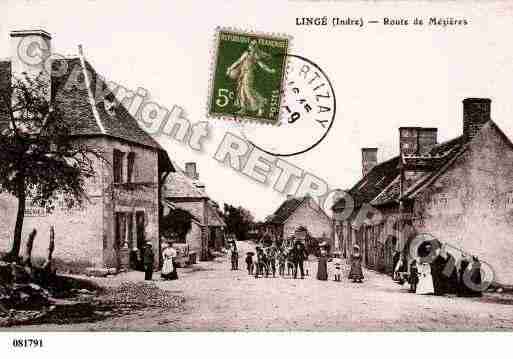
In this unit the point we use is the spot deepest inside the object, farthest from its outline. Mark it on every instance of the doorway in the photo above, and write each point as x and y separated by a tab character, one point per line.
140	240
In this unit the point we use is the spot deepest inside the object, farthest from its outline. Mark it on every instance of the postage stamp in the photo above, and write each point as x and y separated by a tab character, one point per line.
247	77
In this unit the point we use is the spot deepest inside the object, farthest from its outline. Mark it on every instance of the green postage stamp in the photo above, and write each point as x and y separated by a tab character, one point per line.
247	77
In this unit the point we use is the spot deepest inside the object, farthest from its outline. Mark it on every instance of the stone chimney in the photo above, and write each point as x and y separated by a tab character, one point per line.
427	139
30	55
190	170
476	112
408	140
417	140
369	159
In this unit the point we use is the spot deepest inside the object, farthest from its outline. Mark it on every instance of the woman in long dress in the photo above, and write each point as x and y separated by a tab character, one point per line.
356	273
169	268
322	265
425	285
243	71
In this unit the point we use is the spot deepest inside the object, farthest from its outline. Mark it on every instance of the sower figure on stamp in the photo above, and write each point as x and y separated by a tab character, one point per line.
148	261
243	71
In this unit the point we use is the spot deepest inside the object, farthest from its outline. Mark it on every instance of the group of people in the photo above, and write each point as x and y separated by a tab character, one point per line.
169	254
355	273
276	259
440	275
290	260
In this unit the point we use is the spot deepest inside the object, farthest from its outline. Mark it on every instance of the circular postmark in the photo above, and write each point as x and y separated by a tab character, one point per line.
307	111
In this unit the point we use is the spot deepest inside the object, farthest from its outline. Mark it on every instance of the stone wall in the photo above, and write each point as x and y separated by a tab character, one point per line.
86	235
139	196
471	205
310	216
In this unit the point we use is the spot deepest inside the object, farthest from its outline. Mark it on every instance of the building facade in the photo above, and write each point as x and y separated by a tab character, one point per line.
123	207
184	190
298	213
458	191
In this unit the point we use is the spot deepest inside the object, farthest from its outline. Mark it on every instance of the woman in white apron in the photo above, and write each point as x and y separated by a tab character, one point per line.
168	269
425	285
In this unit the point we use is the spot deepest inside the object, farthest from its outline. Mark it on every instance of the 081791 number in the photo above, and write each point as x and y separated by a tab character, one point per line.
27	343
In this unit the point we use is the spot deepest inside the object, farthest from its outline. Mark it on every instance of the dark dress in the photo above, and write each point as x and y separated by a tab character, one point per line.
439	279
148	260
322	267
470	272
414	276
356	272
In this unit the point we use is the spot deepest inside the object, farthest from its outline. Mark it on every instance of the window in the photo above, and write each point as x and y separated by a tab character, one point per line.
130	167
123	227
117	166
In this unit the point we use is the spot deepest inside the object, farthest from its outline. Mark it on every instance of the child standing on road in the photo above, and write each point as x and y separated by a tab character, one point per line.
249	262
290	262
282	257
337	266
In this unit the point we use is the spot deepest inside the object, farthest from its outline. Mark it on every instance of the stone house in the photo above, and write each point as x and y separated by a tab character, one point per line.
295	213
459	191
122	210
184	190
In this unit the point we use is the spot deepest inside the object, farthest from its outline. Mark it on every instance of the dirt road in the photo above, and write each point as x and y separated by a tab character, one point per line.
218	299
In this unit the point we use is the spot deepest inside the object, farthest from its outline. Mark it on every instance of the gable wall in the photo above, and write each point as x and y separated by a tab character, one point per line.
309	215
471	205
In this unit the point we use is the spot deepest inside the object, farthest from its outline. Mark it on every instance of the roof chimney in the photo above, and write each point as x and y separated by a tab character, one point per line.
30	55
476	112
369	159
408	140
427	139
190	170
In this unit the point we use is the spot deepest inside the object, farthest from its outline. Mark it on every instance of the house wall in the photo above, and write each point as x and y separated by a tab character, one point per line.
193	238
140	196
77	231
471	205
86	235
197	207
310	216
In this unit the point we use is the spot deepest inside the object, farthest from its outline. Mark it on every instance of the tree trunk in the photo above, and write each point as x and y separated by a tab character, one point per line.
47	266
13	255
27	256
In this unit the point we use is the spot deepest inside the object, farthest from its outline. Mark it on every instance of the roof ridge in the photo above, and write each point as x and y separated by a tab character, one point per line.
90	91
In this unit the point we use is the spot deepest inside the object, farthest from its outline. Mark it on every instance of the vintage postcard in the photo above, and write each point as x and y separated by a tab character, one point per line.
281	166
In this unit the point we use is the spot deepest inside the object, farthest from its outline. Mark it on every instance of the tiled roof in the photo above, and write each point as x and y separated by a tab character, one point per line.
119	123
179	185
382	184
214	219
371	185
70	94
286	209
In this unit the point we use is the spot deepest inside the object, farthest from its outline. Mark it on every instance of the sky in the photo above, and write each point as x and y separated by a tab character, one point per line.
384	77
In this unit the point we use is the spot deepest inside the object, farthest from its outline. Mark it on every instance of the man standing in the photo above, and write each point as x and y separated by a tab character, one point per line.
148	261
299	255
